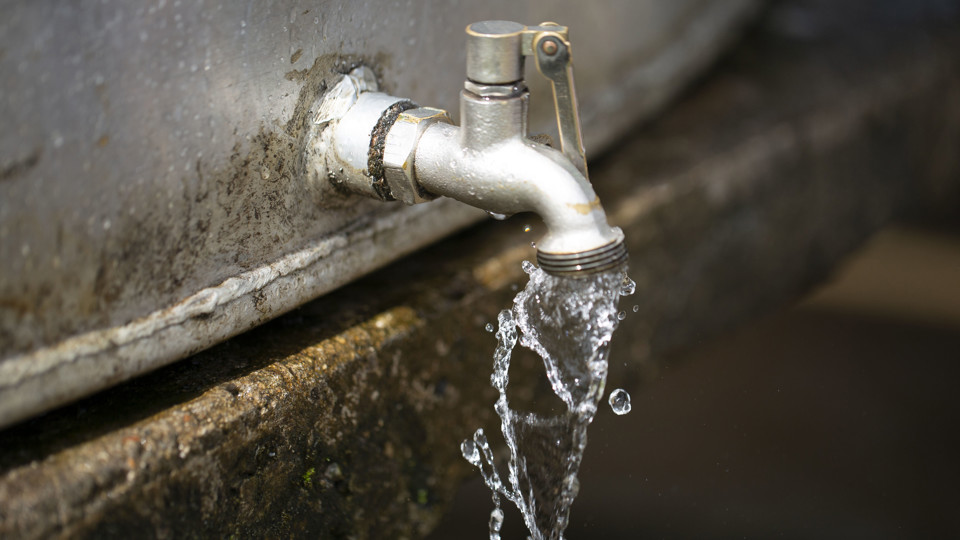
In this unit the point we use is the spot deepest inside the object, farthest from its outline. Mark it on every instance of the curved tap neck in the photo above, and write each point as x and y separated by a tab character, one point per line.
513	176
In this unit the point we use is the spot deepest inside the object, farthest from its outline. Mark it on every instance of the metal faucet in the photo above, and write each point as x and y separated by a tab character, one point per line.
391	149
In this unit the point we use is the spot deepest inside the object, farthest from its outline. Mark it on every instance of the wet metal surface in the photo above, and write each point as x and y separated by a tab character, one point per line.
153	152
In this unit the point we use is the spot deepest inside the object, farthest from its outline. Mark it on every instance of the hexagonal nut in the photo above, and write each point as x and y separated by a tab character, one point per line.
399	149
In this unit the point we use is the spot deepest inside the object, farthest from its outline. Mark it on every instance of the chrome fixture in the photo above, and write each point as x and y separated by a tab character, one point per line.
392	149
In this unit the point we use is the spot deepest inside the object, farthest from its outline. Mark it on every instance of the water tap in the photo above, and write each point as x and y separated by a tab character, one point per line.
389	148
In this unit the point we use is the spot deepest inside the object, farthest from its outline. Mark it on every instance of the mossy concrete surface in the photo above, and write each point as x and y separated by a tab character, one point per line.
342	419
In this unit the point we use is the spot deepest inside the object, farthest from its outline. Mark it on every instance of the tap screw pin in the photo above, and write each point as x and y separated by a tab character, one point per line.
549	47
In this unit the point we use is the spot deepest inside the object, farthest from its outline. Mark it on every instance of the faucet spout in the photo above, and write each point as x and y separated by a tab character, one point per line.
519	175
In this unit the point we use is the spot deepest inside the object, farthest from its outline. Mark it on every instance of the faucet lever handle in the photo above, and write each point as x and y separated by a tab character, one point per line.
548	44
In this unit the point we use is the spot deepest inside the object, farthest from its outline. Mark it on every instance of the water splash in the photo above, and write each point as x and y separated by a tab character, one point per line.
569	323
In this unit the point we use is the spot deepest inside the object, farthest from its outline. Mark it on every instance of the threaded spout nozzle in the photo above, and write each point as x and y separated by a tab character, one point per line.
601	259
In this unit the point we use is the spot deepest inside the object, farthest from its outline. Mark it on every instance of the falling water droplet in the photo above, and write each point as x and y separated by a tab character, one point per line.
496	521
469	450
533	245
622	315
636	308
528	267
627	287
620	401
489	327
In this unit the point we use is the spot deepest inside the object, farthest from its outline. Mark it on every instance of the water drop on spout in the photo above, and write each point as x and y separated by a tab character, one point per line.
620	401
498	217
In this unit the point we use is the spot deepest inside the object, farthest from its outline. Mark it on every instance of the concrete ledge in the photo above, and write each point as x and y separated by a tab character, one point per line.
342	419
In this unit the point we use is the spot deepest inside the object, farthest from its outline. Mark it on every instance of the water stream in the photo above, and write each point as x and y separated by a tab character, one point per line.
568	322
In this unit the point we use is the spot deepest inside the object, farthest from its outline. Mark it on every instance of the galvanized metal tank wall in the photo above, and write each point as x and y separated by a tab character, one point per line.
152	199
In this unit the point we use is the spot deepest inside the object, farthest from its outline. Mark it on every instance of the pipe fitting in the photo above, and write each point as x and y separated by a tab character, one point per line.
488	120
399	152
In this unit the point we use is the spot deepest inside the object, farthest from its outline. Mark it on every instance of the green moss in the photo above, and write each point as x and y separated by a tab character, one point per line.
308	477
